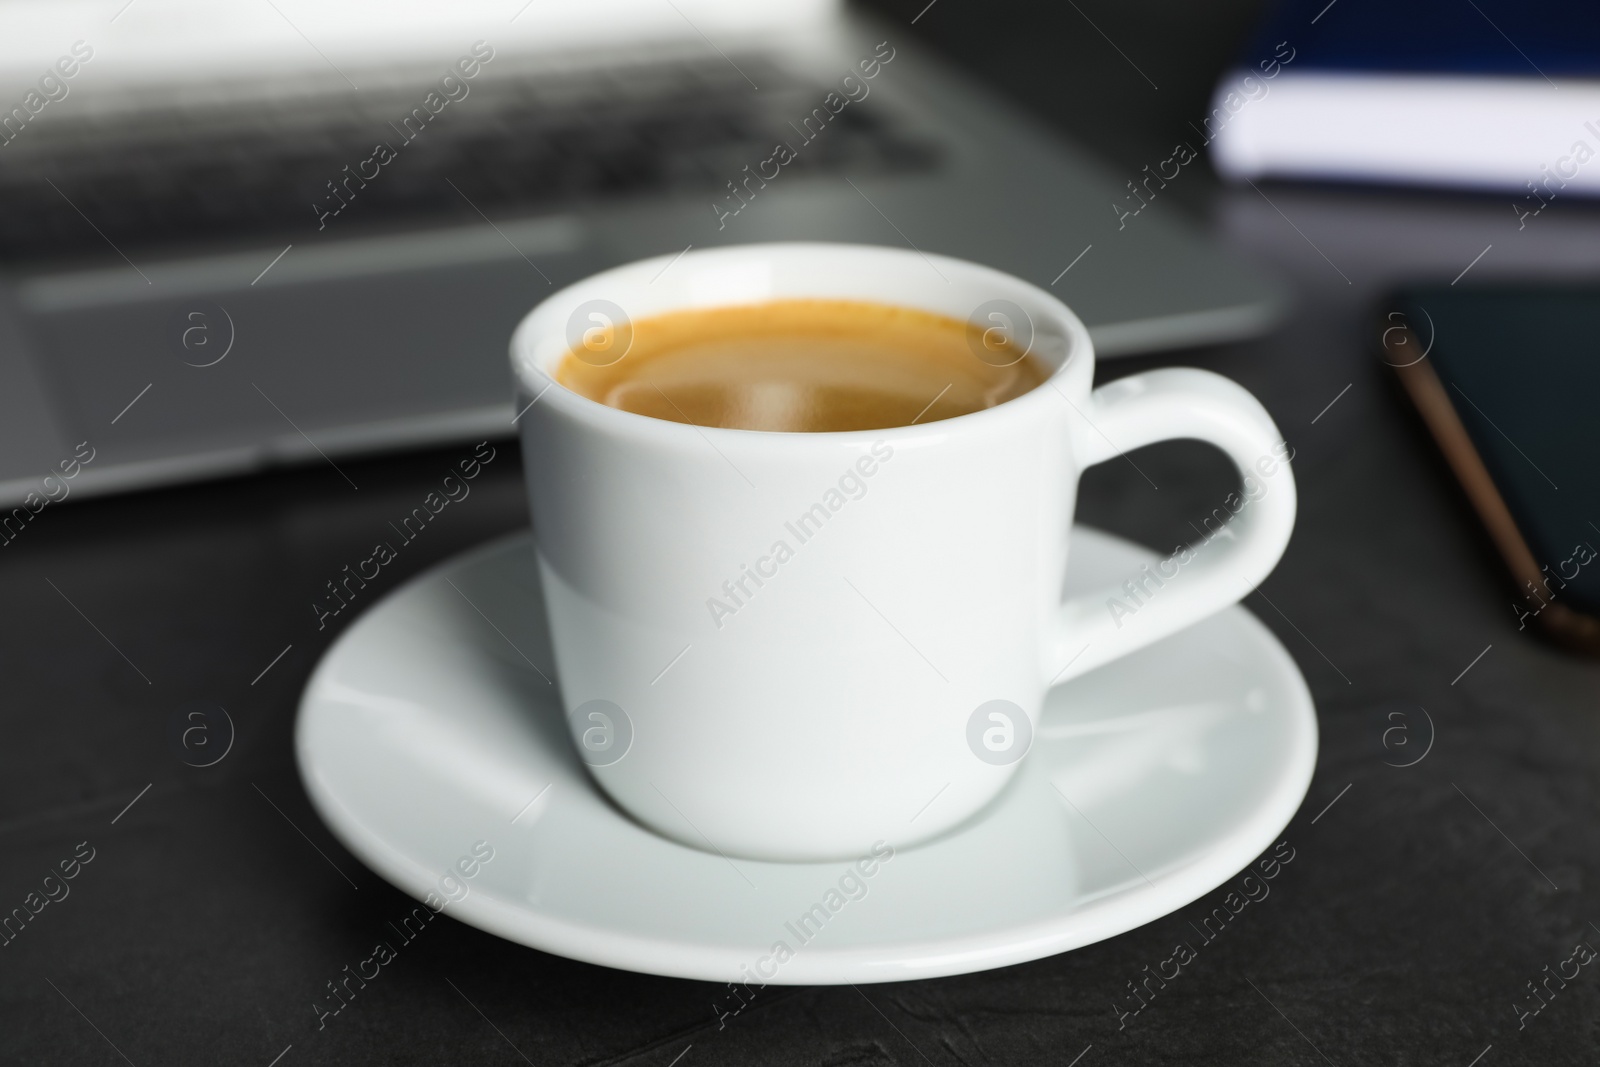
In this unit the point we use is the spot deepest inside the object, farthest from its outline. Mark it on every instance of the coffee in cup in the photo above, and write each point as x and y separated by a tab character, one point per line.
800	365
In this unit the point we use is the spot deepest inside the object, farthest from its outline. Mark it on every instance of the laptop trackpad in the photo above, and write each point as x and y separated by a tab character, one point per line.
344	363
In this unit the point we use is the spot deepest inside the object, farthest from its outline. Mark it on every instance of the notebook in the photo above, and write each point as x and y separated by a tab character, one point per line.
1484	95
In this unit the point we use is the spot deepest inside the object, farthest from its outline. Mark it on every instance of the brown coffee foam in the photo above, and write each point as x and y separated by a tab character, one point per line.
806	365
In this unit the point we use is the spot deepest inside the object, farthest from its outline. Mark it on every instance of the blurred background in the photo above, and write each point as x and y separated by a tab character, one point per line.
1050	61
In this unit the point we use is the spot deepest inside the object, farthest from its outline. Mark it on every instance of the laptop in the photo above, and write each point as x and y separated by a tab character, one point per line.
265	232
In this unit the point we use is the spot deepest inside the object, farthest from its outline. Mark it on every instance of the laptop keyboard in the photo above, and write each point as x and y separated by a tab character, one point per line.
180	174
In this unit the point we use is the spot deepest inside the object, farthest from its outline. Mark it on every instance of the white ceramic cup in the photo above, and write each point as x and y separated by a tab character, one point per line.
790	646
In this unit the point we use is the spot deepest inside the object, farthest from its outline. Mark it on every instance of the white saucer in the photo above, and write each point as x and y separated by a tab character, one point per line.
427	729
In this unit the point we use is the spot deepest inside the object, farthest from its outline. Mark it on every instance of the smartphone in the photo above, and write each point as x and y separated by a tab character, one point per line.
1507	379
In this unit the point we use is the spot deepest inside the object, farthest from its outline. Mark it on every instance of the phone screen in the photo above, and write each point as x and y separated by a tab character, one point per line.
1520	365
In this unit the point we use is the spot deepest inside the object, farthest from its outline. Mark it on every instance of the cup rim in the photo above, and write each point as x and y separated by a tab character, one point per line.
536	386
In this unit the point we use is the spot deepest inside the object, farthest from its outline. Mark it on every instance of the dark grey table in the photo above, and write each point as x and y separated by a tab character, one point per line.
209	907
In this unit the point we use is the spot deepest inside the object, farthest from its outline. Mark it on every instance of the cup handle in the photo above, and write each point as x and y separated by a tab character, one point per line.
1233	556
